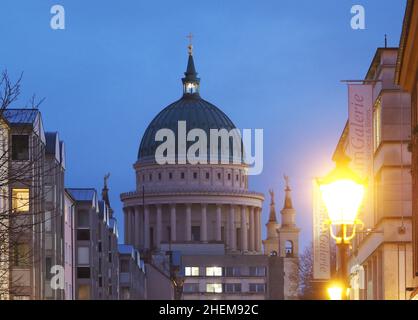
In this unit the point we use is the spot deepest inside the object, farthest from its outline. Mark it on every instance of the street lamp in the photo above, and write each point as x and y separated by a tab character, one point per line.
342	191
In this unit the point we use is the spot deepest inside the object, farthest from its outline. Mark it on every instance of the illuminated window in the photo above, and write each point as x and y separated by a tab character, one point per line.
191	271
214	287
84	292
20	200
213	271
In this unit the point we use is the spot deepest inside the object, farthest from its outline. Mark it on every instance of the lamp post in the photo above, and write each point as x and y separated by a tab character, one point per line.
342	191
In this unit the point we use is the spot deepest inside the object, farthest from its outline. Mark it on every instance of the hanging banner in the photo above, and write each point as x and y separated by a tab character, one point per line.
360	117
321	237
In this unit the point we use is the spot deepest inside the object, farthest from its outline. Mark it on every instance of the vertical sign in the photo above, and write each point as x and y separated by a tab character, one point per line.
360	119
321	237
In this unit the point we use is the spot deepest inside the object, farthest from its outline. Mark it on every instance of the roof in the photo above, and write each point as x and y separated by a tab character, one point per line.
82	194
25	117
370	75
125	248
404	38
20	116
52	146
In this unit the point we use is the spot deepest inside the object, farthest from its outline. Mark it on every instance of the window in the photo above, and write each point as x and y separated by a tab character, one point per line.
100	246
214	287
232	271
21	297
377	124
48	222
257	271
124	266
83	219
50	193
195	233
289	248
213	271
219	176
83	255
191	287
84	292
83	235
110	257
83	272
100	282
150	177
48	267
229	176
194	175
236	177
170	175
125	293
159	175
232	287
191	271
21	255
257	287
207	175
182	175
20	200
20	147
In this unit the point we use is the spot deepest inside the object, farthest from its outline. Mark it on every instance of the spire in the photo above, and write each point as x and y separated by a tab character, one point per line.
288	198
190	81
272	216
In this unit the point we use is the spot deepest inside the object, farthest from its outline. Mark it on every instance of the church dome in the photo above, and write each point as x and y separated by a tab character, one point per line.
197	112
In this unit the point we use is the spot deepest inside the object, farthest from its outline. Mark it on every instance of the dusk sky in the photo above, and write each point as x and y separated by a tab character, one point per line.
267	64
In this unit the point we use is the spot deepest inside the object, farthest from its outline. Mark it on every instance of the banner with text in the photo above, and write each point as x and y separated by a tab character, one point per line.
360	117
321	237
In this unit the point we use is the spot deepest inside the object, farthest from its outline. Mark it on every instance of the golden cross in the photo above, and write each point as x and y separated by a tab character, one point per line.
190	47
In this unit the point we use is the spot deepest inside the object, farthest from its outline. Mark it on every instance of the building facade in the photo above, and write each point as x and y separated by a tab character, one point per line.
406	77
132	278
95	246
381	256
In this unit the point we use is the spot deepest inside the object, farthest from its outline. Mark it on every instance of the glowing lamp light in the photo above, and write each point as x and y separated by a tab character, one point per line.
342	199
335	292
342	191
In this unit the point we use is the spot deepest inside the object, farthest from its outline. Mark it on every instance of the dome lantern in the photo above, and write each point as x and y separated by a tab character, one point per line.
191	82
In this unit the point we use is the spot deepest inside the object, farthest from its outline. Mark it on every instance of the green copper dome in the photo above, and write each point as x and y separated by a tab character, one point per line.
197	112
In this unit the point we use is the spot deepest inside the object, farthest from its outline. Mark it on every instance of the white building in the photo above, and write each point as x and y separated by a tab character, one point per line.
203	214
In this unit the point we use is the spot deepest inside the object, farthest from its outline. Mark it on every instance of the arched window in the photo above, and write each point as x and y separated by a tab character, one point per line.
289	248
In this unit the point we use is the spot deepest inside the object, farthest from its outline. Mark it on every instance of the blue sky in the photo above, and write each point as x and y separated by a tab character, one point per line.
268	64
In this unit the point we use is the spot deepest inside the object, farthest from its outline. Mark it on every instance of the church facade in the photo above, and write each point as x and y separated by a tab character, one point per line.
199	225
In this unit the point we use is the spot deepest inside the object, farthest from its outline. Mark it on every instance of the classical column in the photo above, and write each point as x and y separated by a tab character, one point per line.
188	222
159	225
244	237
252	227
218	222
173	222
129	226
146	227
232	232
136	227
125	223
257	229
204	225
